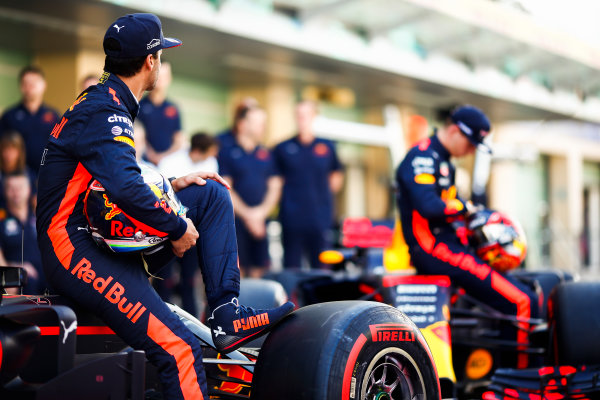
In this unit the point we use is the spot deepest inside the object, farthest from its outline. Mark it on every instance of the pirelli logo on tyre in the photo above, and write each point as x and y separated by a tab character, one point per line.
392	333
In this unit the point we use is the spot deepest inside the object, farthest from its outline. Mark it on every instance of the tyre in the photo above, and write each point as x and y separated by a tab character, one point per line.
575	323
345	350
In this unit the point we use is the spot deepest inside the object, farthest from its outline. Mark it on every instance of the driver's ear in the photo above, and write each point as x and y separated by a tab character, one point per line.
150	61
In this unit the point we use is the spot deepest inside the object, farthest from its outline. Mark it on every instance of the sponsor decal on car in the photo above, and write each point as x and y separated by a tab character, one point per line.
237	372
479	364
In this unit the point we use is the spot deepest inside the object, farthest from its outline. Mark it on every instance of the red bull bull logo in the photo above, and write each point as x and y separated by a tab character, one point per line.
114	210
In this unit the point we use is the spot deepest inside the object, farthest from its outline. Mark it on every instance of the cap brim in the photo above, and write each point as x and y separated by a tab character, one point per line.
483	147
478	145
171	42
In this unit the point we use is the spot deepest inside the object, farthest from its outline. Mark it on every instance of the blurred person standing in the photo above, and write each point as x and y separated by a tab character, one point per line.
87	81
31	117
160	119
12	161
312	174
255	190
200	156
18	236
227	137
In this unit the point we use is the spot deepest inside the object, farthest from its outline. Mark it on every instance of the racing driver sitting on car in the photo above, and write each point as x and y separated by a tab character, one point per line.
430	207
94	140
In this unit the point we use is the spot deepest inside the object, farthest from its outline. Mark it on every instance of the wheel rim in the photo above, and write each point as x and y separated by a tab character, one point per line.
392	375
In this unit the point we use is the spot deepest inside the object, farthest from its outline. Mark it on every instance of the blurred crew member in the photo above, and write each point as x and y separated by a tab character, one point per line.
18	237
95	141
87	81
312	174
227	137
161	120
31	118
12	161
430	209
250	169
200	156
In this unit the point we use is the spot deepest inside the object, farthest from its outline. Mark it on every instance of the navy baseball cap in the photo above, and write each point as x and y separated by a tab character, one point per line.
136	35
473	123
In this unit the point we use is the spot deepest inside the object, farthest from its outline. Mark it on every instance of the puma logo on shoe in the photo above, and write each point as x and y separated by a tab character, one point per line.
234	325
219	331
251	322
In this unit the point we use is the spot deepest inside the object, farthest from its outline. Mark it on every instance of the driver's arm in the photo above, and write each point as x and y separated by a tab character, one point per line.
110	159
419	176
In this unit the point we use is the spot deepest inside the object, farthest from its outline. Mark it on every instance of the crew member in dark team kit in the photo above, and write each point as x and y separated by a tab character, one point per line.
18	236
161	120
250	169
31	118
94	140
312	174
226	138
430	207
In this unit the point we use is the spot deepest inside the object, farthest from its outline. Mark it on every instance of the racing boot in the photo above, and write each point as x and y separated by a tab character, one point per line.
233	325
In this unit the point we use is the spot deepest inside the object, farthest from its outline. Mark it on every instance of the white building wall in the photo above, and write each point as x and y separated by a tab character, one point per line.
567	145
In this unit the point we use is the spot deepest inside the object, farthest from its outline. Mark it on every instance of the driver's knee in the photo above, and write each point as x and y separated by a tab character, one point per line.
207	203
219	199
205	196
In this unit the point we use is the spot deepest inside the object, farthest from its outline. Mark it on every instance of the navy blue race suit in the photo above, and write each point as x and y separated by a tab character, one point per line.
429	204
94	139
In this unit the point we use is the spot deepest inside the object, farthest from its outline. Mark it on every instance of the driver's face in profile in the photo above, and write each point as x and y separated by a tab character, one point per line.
462	146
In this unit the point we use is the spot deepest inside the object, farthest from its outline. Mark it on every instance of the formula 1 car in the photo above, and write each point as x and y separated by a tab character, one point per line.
50	349
468	340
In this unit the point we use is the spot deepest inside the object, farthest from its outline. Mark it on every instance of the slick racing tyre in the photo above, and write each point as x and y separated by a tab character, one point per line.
575	323
345	350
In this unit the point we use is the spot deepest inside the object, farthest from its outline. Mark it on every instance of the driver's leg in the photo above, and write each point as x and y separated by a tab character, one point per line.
211	210
116	288
466	270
